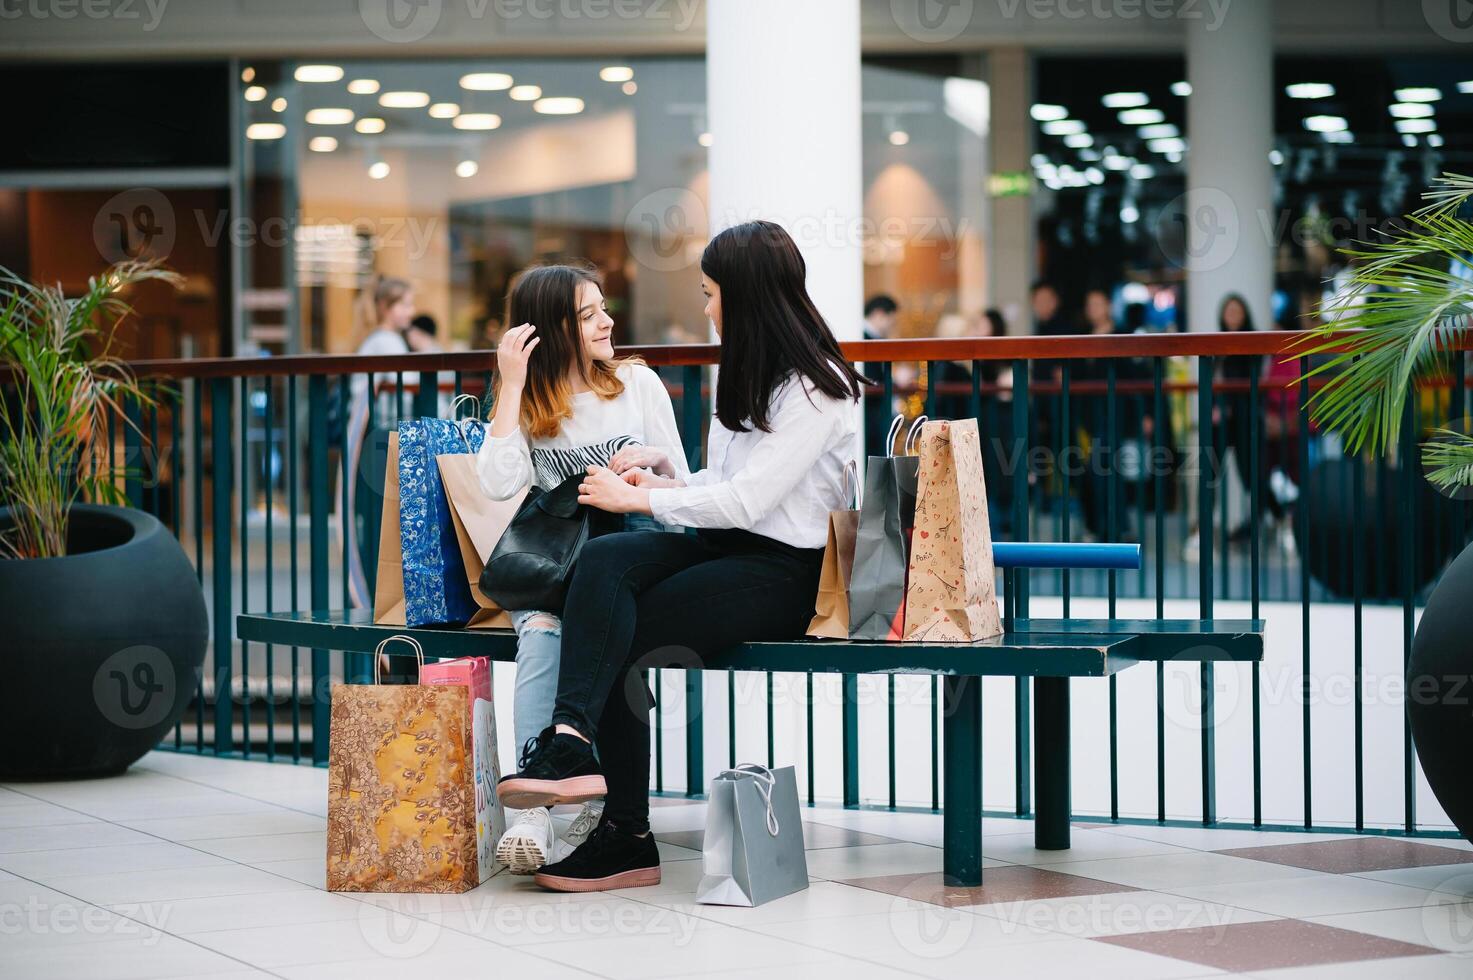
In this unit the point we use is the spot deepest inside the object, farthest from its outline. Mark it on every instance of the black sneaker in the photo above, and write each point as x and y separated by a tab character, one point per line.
556	768
610	858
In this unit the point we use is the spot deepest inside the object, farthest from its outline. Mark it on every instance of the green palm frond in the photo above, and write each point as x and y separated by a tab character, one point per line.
65	382
1403	313
1448	459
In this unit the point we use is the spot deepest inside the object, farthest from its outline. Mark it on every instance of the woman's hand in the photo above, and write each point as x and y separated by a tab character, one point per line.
655	460
606	490
512	354
644	478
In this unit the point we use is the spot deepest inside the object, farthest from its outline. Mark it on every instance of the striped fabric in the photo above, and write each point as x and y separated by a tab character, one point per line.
552	466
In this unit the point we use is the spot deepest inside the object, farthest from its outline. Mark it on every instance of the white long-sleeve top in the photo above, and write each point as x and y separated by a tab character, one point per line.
781	484
598	428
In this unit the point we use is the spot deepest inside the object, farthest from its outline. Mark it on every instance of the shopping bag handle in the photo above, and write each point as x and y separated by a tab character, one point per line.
461	422
895	424
763	777
914	435
851	483
379	654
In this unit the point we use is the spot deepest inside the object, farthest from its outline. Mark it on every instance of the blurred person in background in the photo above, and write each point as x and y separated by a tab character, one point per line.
1109	455
1234	422
881	313
953	381
421	334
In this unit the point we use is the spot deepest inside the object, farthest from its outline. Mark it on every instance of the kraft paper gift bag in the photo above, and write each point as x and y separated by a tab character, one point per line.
881	542
388	588
831	609
401	798
479	522
753	850
950	587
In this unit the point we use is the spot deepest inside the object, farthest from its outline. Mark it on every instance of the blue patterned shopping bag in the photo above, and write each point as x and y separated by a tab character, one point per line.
436	589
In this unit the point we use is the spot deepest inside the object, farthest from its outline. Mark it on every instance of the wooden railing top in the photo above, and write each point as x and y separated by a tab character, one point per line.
1215	344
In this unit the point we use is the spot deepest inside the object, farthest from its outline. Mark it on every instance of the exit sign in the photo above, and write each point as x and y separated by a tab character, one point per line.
1013	183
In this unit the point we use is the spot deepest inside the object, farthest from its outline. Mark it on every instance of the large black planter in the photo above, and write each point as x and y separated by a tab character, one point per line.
1326	544
1440	692
101	648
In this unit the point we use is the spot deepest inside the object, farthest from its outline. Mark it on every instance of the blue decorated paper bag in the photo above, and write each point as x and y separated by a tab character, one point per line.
436	589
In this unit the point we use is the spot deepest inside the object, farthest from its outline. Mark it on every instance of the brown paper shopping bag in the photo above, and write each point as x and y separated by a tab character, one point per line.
479	523
831	609
401	788
950	589
388	589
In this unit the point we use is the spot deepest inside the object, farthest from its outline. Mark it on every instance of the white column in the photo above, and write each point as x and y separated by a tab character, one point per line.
783	105
1229	177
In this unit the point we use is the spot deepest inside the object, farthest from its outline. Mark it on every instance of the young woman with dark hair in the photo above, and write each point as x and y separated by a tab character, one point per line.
1234	418
784	429
569	405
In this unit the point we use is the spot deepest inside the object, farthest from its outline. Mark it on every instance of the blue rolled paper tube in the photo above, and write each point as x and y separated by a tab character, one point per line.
1046	554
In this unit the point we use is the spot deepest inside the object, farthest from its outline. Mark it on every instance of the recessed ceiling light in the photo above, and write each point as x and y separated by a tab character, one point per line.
278	104
1063	127
248	74
1115	161
1407	139
1141	117
1045	112
1425	94
322	144
255	93
378	170
317	73
467	168
1181	88
1342	136
525	93
265	131
1078	140
1325	124
1142	171
705	139
363	86
329	116
616	73
1172	145
1464	87
1434	139
1309	90
444	110
369	125
477	120
1124	100
1410	110
559	105
1416	126
1158	131
1275	157
899	138
404	100
486	81
630	88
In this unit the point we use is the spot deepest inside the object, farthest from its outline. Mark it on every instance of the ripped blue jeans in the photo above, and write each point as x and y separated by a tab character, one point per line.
539	654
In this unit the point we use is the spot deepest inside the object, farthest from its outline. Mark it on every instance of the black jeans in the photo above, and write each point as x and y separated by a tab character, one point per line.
643	599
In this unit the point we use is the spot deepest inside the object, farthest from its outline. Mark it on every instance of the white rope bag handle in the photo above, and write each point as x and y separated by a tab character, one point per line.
764	779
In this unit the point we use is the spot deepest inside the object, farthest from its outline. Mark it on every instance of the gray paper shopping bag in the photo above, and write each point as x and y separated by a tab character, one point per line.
753	850
882	541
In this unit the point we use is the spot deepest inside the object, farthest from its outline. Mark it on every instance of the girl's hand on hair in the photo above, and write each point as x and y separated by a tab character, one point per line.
512	354
604	489
655	460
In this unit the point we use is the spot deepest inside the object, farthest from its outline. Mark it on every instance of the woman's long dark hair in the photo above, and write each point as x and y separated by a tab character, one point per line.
769	325
1242	304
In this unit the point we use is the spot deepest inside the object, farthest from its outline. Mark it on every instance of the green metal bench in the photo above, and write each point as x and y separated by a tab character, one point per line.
1050	651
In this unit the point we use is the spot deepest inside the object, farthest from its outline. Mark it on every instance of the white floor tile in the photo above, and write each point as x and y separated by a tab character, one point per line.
1322	894
1403	968
228	825
311	872
492	962
204	804
63	837
692	948
1085	845
37	814
307	845
1167	872
1216	839
125	960
185	916
1117	914
1451	879
164	886
909	932
109	859
372	934
1442	922
820	900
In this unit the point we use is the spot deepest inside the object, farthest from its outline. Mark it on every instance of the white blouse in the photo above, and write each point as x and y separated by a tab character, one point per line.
598	428
781	484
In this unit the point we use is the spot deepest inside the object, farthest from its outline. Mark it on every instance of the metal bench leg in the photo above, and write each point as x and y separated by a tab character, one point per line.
962	815
1051	763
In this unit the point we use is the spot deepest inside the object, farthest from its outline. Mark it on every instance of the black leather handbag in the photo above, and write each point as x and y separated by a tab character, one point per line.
532	564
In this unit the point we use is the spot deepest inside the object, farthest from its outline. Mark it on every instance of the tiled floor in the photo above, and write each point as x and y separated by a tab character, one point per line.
197	867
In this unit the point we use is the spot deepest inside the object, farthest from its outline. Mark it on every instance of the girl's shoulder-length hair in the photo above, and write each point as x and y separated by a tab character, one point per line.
546	296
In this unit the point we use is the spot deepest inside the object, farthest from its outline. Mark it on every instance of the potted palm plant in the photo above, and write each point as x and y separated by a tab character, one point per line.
1407	313
103	626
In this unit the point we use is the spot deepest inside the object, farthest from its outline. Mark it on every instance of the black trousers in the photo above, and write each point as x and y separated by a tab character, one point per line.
643	599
